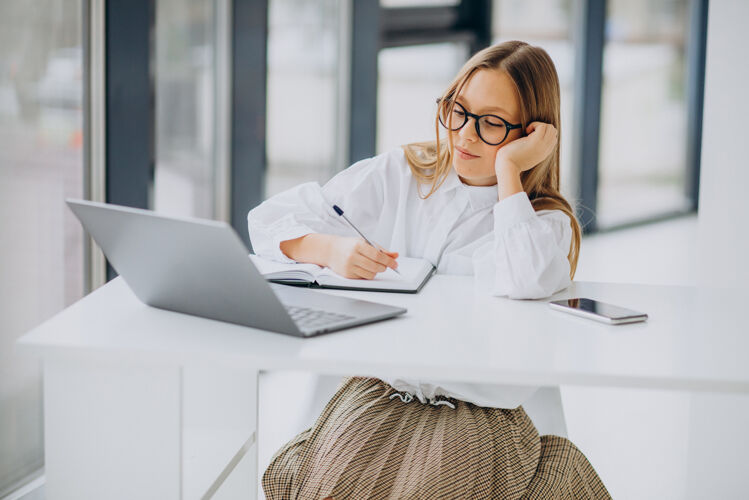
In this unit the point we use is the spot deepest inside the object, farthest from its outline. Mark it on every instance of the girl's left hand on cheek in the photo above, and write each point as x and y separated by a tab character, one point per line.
527	152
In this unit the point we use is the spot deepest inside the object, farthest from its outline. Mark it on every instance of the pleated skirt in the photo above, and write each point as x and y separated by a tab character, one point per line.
368	443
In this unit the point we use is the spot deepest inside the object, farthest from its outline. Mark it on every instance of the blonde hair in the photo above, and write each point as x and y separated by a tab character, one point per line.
537	84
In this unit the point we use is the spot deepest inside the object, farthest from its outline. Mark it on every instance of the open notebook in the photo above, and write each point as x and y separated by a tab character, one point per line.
414	273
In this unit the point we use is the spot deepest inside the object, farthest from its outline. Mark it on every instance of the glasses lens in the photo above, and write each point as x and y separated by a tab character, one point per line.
493	130
454	119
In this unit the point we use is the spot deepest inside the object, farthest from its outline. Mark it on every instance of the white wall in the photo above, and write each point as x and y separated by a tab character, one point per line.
724	184
718	430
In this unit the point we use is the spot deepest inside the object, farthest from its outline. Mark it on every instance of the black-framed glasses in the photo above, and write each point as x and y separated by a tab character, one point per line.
491	129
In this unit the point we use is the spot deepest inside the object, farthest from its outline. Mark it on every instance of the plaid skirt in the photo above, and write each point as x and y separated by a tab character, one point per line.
369	442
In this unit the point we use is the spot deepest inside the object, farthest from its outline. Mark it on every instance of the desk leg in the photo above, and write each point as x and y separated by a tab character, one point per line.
220	439
112	429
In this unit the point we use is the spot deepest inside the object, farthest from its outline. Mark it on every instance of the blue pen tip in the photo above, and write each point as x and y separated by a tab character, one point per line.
337	209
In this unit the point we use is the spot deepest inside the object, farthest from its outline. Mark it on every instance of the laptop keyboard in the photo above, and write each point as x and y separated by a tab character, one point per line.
315	318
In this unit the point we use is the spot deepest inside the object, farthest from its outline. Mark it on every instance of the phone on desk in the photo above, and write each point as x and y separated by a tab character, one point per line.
599	311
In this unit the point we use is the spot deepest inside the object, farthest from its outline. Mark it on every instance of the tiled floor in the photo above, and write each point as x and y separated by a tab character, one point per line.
636	439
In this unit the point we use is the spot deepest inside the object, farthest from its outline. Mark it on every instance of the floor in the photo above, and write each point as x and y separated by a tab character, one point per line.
636	439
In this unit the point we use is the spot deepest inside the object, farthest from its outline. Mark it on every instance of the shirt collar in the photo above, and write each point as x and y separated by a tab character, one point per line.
452	181
478	196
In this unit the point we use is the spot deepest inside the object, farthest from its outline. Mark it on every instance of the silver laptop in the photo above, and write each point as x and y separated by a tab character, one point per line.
201	267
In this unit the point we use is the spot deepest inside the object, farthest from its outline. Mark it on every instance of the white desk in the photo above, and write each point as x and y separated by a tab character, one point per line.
146	403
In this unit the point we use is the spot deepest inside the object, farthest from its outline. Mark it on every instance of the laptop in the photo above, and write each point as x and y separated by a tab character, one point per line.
201	267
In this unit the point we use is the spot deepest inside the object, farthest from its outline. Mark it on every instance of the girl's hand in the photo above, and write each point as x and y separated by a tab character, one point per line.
527	152
355	258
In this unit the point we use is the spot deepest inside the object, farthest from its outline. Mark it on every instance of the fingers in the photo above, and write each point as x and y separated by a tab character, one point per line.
550	136
369	264
386	259
362	273
392	262
551	132
360	267
527	152
543	128
544	135
355	258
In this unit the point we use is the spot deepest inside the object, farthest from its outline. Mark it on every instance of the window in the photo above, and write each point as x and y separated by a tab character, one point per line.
41	242
186	85
642	156
409	81
418	3
549	25
303	106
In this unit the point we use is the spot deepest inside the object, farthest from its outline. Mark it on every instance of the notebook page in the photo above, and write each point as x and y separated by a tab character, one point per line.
412	273
271	269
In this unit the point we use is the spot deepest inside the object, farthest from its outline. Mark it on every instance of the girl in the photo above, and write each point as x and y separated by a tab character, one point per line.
484	202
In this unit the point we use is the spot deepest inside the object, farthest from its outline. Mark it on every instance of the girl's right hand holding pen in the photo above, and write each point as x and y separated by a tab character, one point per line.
355	258
348	256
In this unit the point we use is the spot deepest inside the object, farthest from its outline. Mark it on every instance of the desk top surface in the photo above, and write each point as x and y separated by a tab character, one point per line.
695	339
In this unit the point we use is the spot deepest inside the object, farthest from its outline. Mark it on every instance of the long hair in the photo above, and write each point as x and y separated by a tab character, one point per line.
537	84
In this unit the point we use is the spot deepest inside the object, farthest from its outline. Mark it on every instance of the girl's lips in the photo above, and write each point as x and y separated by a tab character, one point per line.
464	154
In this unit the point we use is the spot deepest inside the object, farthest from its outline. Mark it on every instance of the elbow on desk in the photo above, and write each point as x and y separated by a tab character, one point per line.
530	287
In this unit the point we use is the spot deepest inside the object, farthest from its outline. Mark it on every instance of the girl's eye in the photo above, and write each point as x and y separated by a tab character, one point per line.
458	112
495	124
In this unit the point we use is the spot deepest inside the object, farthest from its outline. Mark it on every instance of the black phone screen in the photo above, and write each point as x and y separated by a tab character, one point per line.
600	308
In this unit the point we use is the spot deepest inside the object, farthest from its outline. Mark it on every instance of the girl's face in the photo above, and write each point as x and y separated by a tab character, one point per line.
492	92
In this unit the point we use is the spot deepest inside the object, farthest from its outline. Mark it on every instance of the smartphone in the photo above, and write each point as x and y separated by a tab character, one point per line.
599	311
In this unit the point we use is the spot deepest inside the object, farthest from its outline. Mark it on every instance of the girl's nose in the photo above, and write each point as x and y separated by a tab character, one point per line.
468	131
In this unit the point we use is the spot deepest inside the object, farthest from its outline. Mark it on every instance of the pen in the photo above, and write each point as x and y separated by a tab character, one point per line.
340	212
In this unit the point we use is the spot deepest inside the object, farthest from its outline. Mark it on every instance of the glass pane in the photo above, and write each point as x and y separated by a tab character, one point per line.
643	118
418	3
302	92
410	80
41	243
185	108
549	25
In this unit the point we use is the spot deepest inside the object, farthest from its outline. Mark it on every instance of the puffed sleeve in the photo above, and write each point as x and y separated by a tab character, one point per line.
526	256
308	208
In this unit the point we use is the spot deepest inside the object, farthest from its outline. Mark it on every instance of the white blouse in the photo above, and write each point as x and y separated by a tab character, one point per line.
510	249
